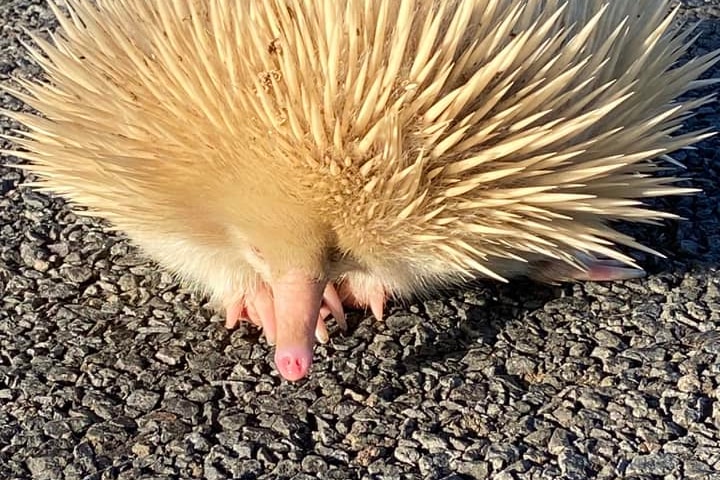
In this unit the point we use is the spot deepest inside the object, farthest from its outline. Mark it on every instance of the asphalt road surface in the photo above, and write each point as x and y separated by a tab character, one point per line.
110	370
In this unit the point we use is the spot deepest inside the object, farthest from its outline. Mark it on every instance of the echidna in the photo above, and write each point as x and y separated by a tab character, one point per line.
289	156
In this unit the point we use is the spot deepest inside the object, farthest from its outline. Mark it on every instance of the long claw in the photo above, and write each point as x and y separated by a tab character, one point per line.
332	301
342	324
377	304
253	316
234	313
263	303
298	298
321	332
606	270
594	270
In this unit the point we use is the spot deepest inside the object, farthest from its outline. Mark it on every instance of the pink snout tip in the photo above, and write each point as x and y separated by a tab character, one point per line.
293	363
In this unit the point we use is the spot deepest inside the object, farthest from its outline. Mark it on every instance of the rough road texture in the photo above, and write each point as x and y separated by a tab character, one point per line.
108	369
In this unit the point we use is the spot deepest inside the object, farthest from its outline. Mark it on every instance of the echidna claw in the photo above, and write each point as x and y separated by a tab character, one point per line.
377	304
333	304
321	332
257	309
262	312
235	312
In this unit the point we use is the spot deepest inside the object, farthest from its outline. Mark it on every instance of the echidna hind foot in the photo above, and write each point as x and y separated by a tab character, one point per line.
595	270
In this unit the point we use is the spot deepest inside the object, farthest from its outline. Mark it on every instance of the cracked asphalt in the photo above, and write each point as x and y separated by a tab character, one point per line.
110	370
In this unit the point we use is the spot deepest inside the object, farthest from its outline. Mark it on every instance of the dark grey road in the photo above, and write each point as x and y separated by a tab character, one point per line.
109	370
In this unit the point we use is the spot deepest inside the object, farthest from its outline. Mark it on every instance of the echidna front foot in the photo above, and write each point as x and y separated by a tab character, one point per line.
371	297
256	308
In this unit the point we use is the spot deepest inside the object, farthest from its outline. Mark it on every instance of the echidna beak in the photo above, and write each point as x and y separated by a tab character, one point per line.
297	299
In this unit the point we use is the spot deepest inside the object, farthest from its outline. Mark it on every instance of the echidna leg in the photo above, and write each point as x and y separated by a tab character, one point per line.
239	310
262	311
332	305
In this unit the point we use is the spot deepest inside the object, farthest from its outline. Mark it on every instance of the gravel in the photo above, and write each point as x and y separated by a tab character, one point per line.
110	370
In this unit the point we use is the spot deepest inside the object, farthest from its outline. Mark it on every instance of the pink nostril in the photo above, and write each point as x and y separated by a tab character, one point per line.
293	365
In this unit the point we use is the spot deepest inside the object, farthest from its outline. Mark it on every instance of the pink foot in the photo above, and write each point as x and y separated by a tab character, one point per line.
373	299
235	312
256	308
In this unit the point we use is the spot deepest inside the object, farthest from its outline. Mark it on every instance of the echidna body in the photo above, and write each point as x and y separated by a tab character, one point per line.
289	156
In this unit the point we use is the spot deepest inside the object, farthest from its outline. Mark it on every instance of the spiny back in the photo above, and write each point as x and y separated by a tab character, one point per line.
467	130
449	130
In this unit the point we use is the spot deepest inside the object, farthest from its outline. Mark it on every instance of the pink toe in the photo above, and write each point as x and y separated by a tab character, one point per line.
293	363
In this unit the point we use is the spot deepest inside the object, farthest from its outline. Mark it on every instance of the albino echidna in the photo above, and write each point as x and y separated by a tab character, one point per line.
289	156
